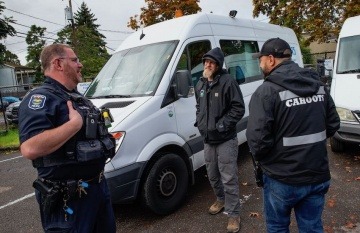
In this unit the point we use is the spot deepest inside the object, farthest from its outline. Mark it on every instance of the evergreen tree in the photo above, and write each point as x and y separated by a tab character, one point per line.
87	41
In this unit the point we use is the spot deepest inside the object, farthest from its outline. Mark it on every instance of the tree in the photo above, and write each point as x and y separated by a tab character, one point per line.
35	46
321	20
5	30
161	10
306	53
7	56
92	52
87	41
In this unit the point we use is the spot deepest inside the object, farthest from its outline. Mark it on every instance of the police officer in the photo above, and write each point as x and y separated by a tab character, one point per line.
65	137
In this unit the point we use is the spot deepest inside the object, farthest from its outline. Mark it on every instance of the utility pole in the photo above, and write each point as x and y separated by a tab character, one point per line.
69	17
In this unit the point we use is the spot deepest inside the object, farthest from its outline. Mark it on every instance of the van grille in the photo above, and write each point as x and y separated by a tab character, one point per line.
15	111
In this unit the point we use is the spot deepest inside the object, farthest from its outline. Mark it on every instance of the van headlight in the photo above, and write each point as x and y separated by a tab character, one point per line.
119	137
346	115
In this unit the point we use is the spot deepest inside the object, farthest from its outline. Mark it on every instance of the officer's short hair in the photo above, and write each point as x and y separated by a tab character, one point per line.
51	51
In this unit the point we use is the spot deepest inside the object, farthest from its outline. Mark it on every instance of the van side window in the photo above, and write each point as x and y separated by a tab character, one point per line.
239	61
191	59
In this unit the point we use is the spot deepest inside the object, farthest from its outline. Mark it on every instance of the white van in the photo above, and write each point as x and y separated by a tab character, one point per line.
345	85
148	86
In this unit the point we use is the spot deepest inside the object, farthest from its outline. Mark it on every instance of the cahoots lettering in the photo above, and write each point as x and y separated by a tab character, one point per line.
304	100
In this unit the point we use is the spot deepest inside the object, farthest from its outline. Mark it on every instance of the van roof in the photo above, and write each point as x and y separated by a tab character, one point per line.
204	24
350	27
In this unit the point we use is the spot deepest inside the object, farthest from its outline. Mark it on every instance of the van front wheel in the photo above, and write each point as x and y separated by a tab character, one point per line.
166	185
336	145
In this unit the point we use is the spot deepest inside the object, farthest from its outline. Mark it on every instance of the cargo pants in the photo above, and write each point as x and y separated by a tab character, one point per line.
222	171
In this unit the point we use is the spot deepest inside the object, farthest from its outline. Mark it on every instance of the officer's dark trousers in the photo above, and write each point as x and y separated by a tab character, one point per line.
92	213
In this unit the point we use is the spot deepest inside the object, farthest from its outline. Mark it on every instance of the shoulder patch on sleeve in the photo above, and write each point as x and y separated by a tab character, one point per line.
37	101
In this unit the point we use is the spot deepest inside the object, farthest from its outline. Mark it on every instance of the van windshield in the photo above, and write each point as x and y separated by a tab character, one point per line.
133	72
349	55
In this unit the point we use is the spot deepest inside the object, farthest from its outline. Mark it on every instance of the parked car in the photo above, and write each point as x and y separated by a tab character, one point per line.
3	105
11	113
7	100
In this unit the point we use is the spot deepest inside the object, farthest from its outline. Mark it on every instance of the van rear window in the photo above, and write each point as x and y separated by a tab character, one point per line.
348	60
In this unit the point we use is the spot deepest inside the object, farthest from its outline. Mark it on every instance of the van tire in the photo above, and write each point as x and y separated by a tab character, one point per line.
336	145
166	184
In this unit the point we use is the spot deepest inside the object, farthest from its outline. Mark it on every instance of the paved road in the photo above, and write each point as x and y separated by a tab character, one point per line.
19	211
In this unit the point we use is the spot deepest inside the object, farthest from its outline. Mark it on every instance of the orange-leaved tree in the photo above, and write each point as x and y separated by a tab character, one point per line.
321	20
160	10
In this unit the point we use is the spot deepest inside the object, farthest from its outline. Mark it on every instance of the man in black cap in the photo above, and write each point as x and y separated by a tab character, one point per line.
291	115
219	107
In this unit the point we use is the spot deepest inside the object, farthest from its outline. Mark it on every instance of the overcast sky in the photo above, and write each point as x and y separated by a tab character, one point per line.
112	16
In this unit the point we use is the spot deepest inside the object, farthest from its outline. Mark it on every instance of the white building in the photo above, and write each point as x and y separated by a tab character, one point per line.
15	79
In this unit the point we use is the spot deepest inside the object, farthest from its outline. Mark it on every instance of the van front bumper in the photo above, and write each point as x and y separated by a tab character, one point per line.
348	133
124	183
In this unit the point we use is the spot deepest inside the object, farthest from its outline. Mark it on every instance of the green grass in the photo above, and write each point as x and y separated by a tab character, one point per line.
9	138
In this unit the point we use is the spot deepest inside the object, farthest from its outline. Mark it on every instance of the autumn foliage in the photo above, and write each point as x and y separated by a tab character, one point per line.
161	10
321	20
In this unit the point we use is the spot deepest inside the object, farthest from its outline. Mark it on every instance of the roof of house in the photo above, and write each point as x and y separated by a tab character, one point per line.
16	66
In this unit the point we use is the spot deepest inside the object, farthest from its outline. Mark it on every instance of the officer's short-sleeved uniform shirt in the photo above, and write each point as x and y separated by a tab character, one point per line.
41	110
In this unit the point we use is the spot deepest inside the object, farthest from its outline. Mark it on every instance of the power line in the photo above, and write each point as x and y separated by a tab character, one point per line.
105	30
16	42
20	51
34	17
110	48
20	37
44	37
30	27
39	36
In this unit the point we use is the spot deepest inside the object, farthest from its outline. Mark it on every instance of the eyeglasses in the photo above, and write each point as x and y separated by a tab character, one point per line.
73	59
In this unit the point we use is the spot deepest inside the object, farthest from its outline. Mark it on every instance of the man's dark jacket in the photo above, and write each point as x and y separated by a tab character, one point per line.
291	115
219	105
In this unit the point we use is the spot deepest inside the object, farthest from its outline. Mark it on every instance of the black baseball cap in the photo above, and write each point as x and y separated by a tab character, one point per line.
276	47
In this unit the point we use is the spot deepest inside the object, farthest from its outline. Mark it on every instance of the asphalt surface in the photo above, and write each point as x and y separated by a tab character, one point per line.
19	210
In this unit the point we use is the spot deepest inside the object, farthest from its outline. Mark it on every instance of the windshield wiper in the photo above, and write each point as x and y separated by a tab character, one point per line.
110	96
349	71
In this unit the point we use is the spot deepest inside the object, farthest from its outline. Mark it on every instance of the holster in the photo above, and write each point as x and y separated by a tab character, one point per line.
51	201
50	195
258	176
257	172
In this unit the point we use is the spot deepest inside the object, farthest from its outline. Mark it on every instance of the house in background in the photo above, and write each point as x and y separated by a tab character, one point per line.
15	80
324	50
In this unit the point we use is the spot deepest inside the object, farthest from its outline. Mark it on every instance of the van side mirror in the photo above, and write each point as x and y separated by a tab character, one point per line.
184	86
